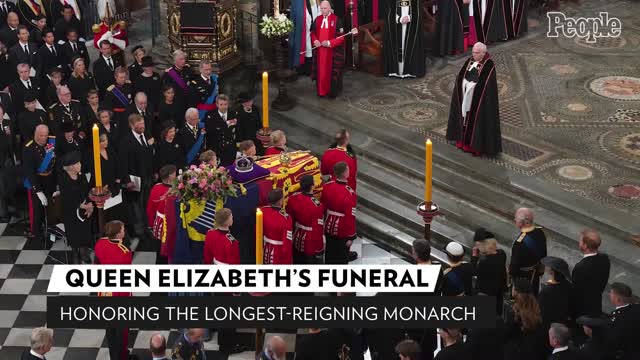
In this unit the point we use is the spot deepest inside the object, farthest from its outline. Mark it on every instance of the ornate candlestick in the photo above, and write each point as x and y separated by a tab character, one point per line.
99	196
428	210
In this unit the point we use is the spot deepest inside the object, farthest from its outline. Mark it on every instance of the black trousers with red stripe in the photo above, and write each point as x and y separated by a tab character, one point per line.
36	216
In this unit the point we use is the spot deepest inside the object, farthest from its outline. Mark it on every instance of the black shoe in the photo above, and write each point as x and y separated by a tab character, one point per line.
352	255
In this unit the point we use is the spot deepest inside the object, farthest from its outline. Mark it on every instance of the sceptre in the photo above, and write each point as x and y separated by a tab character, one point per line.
353	41
353	31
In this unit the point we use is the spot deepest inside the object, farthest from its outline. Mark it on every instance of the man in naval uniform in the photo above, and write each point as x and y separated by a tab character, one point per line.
625	324
189	345
204	89
527	250
404	55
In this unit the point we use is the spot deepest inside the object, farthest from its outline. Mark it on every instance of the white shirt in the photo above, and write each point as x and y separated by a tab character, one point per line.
27	83
205	78
137	136
621	306
22	45
587	255
559	349
223	115
325	23
141	110
37	355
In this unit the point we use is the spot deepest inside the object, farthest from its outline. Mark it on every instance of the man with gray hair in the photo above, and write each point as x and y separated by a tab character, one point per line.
25	84
66	111
559	336
275	349
189	345
158	347
528	249
179	76
474	125
41	343
191	137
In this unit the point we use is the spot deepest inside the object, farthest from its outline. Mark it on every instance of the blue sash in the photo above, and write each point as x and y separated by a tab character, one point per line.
196	147
532	245
456	281
121	97
44	165
211	99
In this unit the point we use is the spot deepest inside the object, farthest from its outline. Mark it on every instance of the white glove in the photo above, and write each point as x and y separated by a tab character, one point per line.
43	199
56	194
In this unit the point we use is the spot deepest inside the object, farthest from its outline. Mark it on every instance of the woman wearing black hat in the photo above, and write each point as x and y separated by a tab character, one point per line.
555	291
526	339
135	69
249	121
489	267
76	208
168	150
595	348
80	81
148	81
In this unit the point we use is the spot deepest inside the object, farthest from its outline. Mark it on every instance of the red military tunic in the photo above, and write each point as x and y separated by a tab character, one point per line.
325	54
113	252
335	155
156	210
339	201
307	214
278	233
273	150
221	248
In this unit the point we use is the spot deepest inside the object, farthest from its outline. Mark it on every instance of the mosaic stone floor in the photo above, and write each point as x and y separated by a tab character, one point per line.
570	110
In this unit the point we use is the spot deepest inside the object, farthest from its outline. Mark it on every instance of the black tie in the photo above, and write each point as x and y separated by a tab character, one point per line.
110	64
53	50
73	47
144	143
28	84
26	50
4	7
142	113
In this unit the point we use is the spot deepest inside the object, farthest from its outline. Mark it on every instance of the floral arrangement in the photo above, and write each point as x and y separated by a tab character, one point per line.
276	26
204	183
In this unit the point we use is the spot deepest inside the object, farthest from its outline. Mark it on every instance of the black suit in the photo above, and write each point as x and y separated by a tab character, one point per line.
187	138
46	59
136	159
590	277
221	137
60	27
7	105
18	90
17	55
624	330
26	355
8	37
68	54
11	7
103	73
569	354
151	129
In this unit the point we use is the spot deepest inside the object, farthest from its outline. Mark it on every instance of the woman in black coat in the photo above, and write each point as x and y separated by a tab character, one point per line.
110	177
91	108
526	338
108	127
489	266
170	109
76	208
80	81
9	73
555	292
168	150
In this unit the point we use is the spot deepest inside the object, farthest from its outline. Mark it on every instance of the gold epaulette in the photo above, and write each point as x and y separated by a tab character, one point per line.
110	87
53	105
127	81
521	237
95	28
74	100
51	137
29	143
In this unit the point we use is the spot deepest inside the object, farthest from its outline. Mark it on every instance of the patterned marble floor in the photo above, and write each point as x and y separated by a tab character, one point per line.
25	270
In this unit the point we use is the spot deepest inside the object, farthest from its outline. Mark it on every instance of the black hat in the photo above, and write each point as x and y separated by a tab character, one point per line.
558	265
147	61
482	234
522	286
591	321
71	158
136	48
168	124
67	127
29	96
244	96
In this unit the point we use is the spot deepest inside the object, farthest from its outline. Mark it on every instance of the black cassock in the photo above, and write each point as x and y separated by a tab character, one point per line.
403	59
77	226
479	131
452	18
495	21
516	17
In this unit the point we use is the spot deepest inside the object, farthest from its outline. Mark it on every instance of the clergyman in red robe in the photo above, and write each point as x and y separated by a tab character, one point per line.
328	57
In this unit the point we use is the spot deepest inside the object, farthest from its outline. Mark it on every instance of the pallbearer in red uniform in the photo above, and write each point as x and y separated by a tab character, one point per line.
220	247
307	214
339	151
110	250
339	200
156	208
278	231
328	58
278	143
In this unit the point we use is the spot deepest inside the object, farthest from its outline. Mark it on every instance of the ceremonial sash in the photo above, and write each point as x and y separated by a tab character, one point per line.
44	165
120	96
209	104
36	7
178	79
456	281
532	245
196	147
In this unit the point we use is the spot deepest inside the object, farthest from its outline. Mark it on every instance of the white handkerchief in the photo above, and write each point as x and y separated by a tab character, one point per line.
136	182
32	72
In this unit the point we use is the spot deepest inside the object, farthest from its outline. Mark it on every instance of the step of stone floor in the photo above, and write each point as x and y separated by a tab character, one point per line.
391	190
